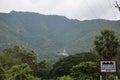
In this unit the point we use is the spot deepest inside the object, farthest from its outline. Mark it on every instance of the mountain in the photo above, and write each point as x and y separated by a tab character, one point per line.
49	34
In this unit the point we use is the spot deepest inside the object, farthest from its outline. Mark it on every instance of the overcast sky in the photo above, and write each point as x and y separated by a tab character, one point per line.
73	9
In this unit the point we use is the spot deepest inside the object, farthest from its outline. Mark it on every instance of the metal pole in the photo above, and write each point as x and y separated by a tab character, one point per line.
116	77
106	77
100	77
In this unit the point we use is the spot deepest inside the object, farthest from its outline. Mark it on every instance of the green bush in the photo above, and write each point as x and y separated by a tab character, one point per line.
66	78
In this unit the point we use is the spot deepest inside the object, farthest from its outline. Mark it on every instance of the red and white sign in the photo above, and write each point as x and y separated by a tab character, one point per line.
108	66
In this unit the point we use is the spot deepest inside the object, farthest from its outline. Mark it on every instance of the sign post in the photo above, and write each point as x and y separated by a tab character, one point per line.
116	77
100	77
108	67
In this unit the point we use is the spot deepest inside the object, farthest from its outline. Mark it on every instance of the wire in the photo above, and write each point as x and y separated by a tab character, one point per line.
102	9
109	2
100	25
90	9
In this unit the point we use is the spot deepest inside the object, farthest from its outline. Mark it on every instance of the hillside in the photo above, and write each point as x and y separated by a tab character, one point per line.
49	34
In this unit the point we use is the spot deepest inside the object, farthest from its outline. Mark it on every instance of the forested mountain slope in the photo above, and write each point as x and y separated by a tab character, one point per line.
49	34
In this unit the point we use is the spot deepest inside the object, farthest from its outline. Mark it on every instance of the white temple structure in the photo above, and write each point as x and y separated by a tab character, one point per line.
64	53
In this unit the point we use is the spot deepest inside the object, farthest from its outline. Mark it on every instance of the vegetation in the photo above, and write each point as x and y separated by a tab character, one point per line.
107	44
117	5
2	73
66	78
16	55
64	65
20	72
85	70
21	63
49	34
43	69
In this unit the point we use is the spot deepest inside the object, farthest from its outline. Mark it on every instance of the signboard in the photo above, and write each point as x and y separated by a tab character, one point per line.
108	66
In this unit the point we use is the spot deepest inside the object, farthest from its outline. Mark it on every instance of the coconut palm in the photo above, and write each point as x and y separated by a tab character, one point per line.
107	44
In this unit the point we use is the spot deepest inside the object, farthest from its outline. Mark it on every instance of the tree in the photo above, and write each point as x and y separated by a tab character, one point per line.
20	72
117	5
66	78
43	69
107	44
2	73
63	66
85	70
17	55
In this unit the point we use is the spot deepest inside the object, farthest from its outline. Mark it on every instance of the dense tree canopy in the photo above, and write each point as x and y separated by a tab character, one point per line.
2	73
16	55
43	69
66	78
63	66
21	64
85	70
20	72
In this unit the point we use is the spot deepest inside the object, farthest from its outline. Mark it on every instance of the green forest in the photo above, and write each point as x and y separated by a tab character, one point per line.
19	63
49	34
31	44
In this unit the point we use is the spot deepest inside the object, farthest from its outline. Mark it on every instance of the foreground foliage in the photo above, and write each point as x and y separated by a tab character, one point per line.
13	58
85	70
20	64
17	55
20	72
2	73
66	78
63	66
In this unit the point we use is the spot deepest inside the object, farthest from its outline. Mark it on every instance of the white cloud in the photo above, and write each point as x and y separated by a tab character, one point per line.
77	9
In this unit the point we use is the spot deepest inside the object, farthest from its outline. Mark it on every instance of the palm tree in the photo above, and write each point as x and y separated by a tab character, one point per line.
107	44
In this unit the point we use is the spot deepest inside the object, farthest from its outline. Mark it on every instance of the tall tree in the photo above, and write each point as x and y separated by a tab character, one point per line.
43	69
107	44
117	5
